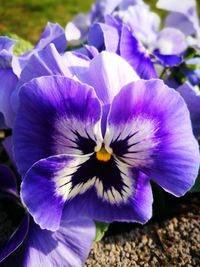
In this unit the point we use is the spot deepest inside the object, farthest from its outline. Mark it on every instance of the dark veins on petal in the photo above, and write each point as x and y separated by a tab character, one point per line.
86	145
121	147
107	172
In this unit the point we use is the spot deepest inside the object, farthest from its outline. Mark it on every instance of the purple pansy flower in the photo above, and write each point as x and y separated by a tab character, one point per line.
8	79
142	23
45	60
183	16
30	246
145	25
77	30
113	36
88	146
54	34
116	37
11	66
11	69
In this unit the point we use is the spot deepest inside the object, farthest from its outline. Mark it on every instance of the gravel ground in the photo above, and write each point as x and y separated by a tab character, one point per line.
172	243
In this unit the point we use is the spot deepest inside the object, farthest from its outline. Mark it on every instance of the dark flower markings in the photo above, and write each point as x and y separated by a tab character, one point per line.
108	172
121	147
85	145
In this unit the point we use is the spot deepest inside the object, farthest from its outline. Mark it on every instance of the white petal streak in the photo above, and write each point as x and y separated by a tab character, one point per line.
112	195
65	135
139	140
126	173
81	188
63	179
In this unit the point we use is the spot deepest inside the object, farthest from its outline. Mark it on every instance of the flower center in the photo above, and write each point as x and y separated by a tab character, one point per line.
103	154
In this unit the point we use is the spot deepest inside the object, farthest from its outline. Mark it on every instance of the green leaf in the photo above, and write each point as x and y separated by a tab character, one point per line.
193	66
21	46
191	53
196	186
101	228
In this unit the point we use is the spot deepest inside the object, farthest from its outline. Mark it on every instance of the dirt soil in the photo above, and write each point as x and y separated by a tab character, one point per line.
172	242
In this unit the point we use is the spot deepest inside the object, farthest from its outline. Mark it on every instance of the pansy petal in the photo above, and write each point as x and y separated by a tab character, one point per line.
7	180
107	7
6	46
55	34
49	62
142	21
185	7
168	39
86	50
180	22
2	121
135	53
6	43
49	180
8	82
16	239
149	136
113	21
104	37
113	73
76	64
108	205
8	146
77	29
83	183
167	60
181	7
191	96
57	115
44	63
67	247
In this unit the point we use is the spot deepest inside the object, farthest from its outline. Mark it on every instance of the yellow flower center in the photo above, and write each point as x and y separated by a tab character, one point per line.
103	154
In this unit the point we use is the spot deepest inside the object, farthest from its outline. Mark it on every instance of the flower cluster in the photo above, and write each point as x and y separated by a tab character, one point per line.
92	126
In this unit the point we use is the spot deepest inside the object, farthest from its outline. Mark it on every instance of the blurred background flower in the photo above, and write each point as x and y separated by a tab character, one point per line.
36	13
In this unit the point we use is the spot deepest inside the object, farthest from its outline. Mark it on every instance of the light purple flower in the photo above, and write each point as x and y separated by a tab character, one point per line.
88	146
11	66
42	62
30	246
76	30
192	70
188	8
114	36
142	21
145	25
54	34
8	79
183	16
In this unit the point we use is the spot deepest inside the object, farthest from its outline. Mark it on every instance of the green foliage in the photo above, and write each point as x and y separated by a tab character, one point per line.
191	53
101	229
28	18
179	73
21	46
